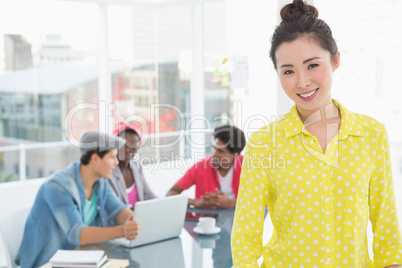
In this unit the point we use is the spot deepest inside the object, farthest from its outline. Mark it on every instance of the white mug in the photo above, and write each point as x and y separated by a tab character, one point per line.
206	224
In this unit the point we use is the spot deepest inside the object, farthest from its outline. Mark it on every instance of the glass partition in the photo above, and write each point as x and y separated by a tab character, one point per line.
48	65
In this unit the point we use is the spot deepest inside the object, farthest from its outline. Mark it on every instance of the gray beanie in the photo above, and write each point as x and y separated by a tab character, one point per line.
94	139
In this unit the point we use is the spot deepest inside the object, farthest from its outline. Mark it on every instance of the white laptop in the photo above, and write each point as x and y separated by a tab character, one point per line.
160	219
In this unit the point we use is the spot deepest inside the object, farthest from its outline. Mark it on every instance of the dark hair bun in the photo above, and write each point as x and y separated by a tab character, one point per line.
297	9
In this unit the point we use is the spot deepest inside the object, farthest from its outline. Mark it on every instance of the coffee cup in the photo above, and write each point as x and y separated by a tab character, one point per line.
206	224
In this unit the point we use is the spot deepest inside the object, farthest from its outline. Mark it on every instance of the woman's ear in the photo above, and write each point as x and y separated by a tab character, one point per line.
336	61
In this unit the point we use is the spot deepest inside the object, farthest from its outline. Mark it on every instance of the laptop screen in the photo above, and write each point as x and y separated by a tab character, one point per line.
160	219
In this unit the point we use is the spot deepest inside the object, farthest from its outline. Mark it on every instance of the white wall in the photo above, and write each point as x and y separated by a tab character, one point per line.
162	176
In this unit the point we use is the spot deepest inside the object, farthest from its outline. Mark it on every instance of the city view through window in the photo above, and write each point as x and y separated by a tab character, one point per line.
55	83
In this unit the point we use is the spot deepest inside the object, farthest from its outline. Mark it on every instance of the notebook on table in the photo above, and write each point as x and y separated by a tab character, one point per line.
79	258
160	219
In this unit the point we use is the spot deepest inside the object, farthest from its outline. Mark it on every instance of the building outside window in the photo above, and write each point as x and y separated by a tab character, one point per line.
50	72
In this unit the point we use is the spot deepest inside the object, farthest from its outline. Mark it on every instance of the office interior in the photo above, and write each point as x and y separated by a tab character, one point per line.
179	68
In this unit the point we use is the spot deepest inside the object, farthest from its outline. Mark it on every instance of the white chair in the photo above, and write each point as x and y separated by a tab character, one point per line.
11	232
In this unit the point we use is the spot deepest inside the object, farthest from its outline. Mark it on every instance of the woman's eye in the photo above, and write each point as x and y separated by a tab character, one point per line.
288	72
312	66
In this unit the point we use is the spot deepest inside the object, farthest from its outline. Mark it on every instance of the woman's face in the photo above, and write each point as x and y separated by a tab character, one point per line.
305	72
133	143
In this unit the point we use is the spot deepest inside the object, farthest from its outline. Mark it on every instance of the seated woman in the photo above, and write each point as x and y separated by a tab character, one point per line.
127	179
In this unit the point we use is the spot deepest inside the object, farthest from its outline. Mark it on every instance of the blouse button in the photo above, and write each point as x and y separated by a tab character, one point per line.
327	199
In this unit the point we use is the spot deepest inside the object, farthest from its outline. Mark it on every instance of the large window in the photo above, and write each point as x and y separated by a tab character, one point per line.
54	56
61	77
48	65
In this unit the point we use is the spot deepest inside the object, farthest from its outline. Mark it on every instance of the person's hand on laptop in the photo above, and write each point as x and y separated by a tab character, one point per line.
131	228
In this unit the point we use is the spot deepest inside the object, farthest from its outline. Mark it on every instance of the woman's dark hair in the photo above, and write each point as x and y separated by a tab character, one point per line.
233	138
87	157
131	131
300	19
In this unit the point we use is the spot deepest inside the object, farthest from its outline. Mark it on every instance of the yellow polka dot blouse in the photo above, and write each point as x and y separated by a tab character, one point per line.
319	204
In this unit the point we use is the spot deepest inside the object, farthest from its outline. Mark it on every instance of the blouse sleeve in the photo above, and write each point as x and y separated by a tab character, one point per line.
247	231
387	241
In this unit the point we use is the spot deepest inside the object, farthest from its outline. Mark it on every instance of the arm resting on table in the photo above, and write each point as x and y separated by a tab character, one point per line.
92	234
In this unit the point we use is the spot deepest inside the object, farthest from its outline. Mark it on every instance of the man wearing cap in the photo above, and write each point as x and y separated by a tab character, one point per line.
70	206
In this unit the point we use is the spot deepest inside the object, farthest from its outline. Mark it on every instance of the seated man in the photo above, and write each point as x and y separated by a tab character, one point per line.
70	206
216	177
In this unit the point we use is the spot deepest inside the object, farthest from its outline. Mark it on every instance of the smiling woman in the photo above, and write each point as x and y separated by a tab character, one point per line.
337	175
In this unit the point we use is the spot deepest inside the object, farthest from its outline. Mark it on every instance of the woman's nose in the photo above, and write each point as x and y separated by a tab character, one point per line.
304	80
128	149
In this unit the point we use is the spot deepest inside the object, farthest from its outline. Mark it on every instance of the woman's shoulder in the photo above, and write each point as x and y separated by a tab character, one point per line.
364	122
273	130
136	165
261	135
264	137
